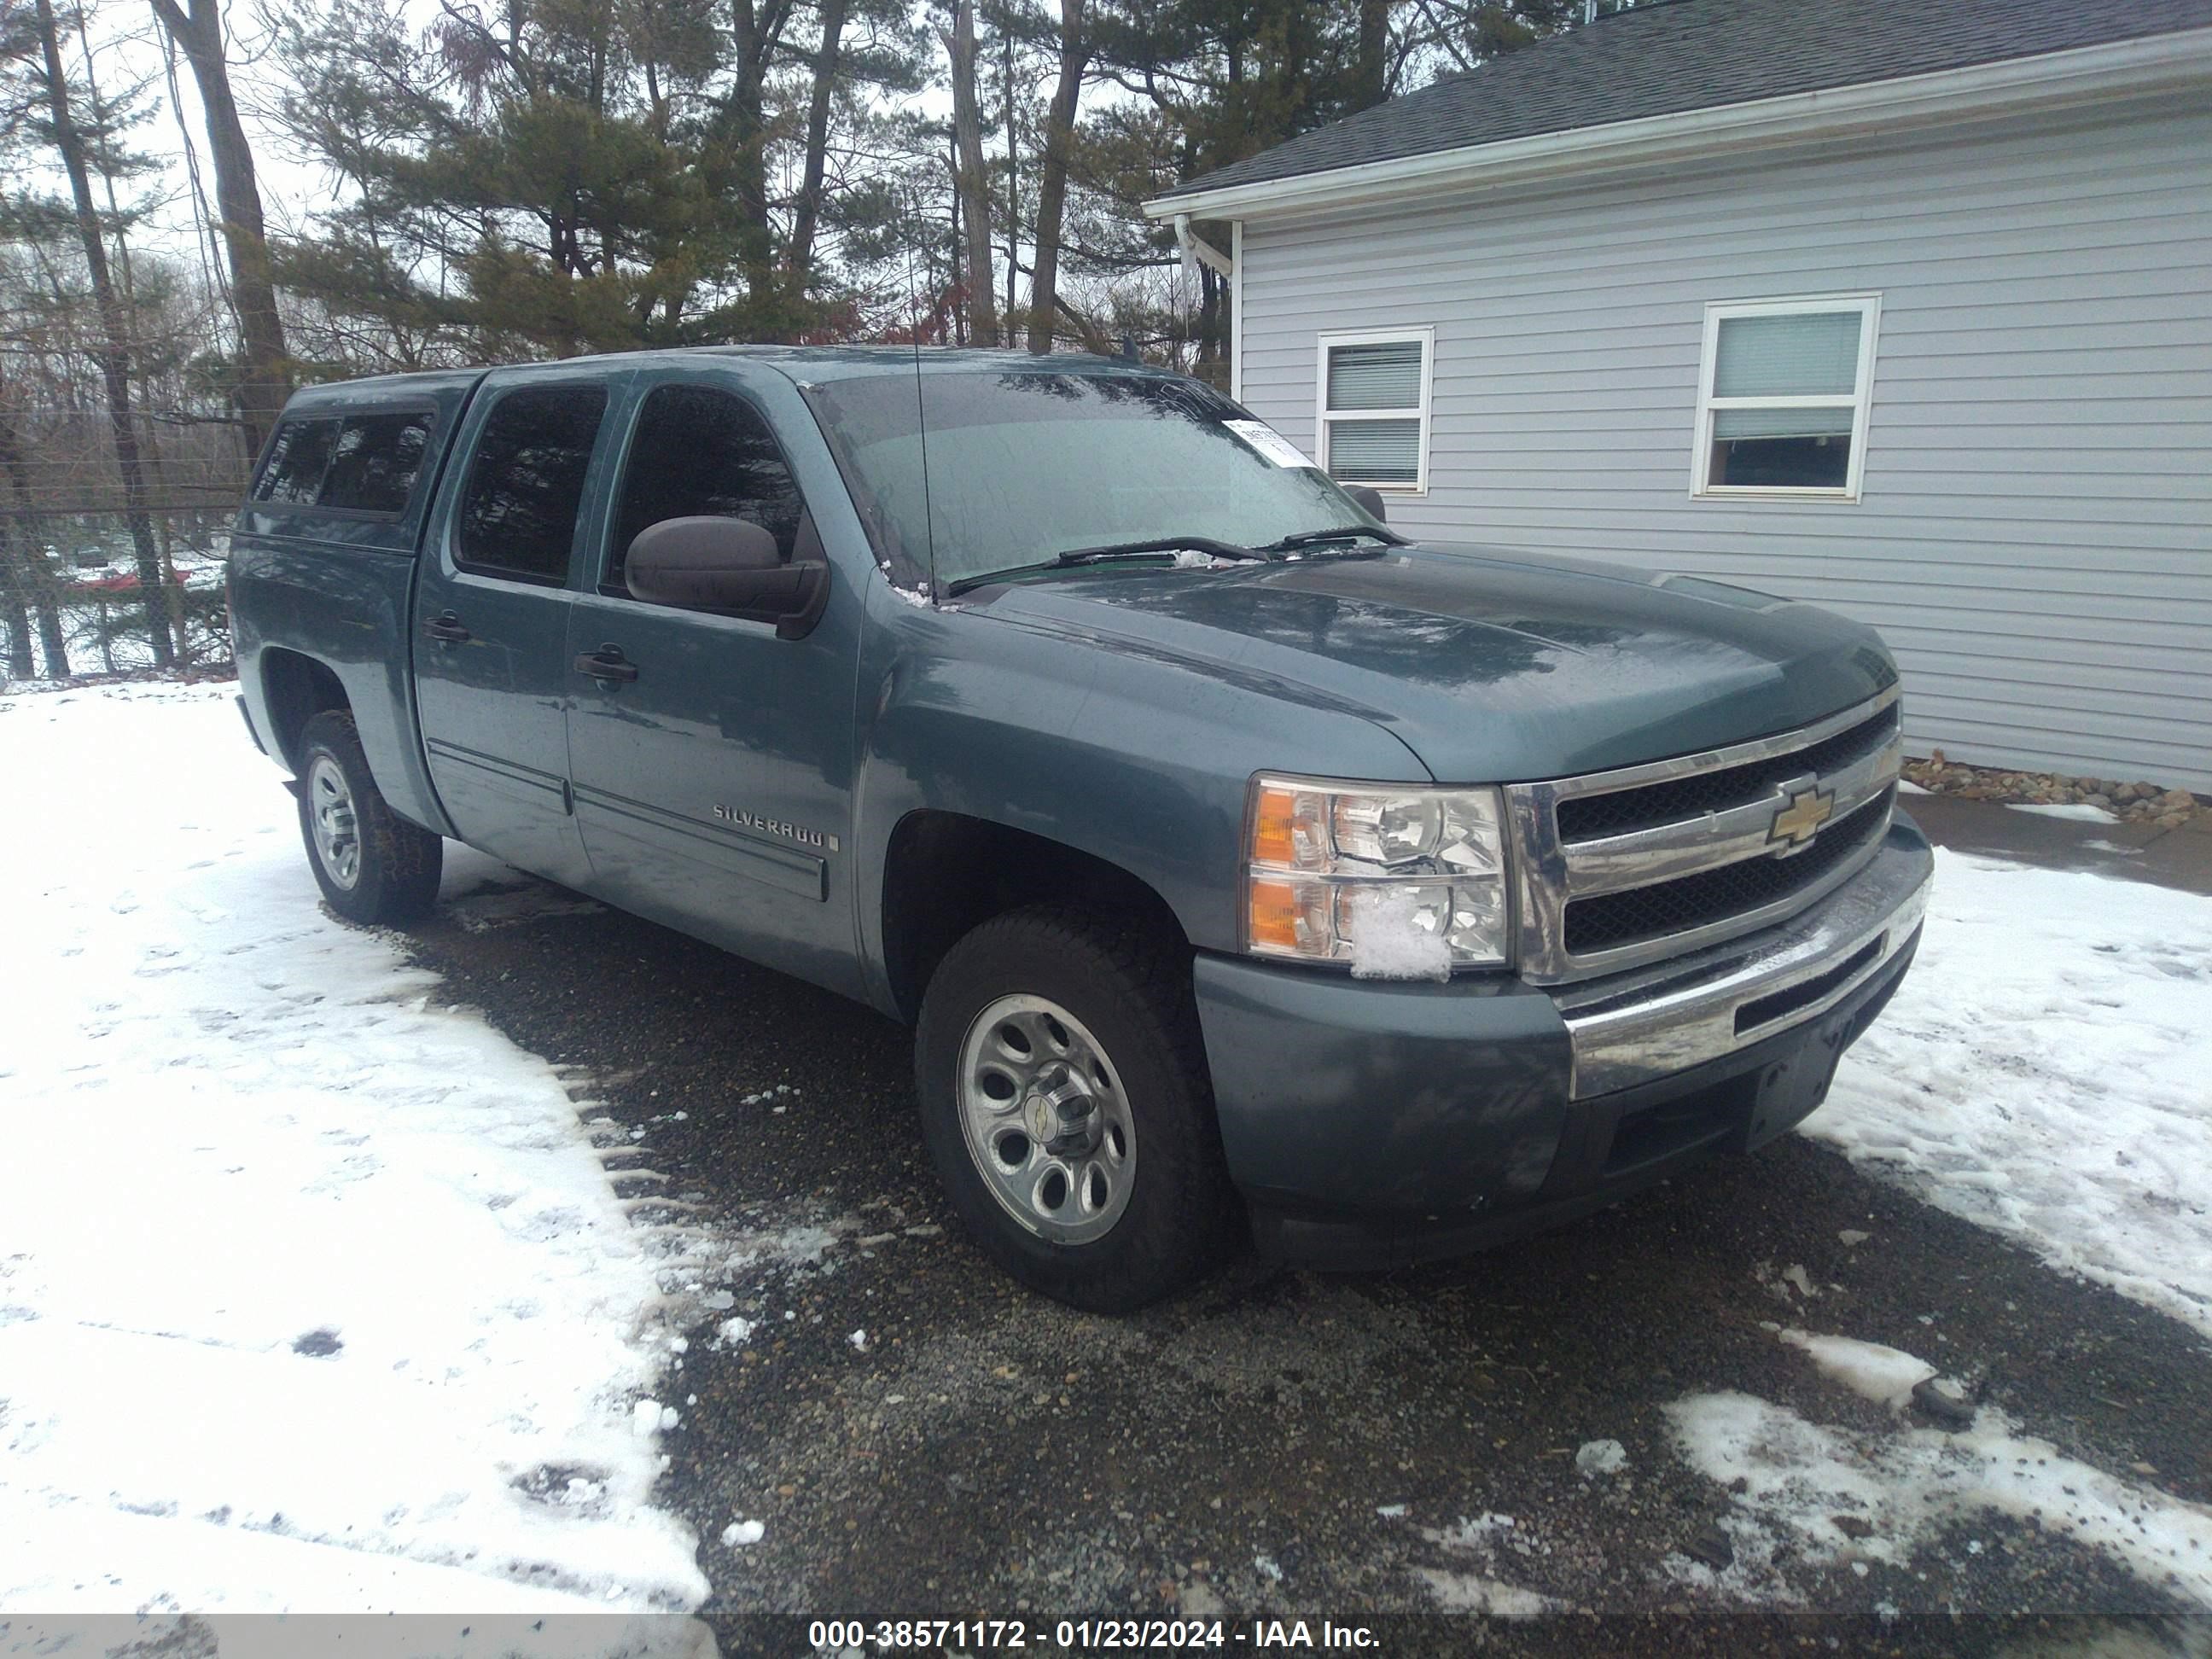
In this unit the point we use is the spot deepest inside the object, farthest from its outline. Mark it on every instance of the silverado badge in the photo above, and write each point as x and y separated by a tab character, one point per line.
1802	811
789	832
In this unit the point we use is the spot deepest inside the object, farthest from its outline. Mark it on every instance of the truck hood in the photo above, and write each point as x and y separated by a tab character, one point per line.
1492	665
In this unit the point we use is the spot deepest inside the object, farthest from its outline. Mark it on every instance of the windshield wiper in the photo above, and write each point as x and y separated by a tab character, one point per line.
1339	533
1220	550
1151	547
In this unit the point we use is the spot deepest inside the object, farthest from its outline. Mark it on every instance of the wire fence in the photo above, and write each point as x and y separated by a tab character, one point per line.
73	601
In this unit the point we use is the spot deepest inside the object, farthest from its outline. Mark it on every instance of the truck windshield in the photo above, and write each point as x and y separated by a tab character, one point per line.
1024	465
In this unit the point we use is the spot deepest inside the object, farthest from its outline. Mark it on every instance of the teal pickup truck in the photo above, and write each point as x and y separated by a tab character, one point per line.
1240	865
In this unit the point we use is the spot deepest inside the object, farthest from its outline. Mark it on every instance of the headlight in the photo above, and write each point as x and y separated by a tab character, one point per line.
1401	882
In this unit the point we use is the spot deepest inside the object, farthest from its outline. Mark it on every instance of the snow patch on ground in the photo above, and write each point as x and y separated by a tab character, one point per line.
1600	1457
1885	1375
591	1635
1896	1491
2042	1074
313	1294
1486	1538
2080	810
1484	1531
1788	1287
1469	1592
799	1243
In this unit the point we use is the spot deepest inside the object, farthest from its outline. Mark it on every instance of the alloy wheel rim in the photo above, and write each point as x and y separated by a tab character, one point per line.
1046	1119
337	825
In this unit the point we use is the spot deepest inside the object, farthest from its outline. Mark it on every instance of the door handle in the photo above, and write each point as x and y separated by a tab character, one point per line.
607	663
445	627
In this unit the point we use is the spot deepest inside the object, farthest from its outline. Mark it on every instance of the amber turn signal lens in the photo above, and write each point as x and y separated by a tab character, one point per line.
1272	819
1273	918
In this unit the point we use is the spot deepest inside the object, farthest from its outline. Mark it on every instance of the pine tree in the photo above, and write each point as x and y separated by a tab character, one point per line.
76	142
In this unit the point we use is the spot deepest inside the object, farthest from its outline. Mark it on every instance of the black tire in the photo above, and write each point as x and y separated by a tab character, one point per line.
397	864
1133	994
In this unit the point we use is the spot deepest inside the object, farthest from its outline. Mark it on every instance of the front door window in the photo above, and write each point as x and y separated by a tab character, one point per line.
700	453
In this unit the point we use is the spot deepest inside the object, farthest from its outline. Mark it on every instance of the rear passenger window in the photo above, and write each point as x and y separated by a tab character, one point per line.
374	467
518	517
359	464
297	460
703	453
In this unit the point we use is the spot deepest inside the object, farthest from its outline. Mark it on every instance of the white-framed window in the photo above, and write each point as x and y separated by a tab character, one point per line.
1373	419
1781	397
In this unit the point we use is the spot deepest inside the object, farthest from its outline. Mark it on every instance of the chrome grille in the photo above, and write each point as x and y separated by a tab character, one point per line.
1618	869
1636	913
1587	817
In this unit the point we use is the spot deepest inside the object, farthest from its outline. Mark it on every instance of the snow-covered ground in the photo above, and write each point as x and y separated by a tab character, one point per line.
314	1296
2046	1072
1848	1495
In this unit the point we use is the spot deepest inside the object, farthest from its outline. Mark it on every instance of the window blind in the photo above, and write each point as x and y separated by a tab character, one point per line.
1782	422
1384	376
1805	354
1375	452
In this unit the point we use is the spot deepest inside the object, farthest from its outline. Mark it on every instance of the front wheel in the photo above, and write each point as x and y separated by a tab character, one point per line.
1066	1103
372	866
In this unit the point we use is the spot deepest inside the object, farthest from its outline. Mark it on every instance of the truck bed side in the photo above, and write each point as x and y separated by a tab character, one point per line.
321	599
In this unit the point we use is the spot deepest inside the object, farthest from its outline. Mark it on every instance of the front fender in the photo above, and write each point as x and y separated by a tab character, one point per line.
1139	759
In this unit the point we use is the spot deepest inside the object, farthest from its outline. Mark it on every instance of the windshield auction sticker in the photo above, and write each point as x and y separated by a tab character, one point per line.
1269	442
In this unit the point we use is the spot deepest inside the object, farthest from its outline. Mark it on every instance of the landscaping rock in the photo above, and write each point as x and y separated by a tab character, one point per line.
1712	1546
1946	1402
2145	803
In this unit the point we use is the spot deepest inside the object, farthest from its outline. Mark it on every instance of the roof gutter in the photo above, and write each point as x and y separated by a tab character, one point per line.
2047	81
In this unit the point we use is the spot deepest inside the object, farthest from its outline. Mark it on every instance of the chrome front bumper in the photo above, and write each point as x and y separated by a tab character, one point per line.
1630	1029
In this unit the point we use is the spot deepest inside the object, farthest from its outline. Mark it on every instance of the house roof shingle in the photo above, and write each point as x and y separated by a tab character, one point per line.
1678	55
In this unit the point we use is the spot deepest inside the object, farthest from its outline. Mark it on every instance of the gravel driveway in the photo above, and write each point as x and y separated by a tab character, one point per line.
910	1435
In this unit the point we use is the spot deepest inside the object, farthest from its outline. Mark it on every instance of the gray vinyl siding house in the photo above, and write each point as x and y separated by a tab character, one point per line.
2017	488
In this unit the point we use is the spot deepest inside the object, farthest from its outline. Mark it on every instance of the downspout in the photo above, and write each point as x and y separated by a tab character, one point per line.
1196	250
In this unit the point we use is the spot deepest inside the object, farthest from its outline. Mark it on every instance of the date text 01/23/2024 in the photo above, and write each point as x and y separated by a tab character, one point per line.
889	1636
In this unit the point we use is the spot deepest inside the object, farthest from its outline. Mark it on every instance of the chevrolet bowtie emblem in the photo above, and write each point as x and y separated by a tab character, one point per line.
1802	812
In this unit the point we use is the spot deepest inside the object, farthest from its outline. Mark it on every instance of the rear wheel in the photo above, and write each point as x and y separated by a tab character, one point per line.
372	866
1066	1103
